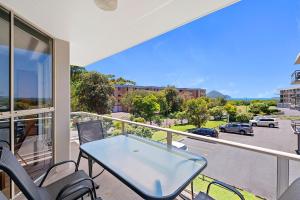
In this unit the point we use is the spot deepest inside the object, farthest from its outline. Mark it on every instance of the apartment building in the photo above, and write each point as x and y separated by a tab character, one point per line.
122	90
290	97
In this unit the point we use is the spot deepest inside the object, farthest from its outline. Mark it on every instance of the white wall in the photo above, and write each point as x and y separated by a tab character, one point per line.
62	100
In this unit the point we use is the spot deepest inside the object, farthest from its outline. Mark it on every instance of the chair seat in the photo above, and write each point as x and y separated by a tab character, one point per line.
203	196
53	189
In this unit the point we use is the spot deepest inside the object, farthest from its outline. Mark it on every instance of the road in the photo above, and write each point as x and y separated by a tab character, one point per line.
248	170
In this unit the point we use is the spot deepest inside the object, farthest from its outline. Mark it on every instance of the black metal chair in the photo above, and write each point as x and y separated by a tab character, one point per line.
87	132
70	187
205	196
293	191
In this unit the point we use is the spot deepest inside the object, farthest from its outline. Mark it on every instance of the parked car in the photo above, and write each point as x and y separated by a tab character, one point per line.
264	121
205	132
241	128
179	145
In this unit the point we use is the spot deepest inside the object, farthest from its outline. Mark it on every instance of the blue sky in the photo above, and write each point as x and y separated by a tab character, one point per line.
245	50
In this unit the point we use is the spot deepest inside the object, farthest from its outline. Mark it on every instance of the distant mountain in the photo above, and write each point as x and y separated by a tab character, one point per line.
216	94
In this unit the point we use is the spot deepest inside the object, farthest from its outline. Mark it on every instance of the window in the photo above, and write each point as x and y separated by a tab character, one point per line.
33	142
4	61
33	68
32	78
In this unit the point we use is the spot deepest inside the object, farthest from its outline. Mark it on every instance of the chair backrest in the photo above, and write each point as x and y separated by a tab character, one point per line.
90	131
10	165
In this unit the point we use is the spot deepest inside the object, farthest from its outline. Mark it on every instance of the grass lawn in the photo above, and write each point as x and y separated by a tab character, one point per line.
209	124
161	135
283	117
217	192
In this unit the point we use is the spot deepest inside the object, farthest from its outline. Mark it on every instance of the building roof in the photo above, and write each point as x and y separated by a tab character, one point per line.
153	87
95	34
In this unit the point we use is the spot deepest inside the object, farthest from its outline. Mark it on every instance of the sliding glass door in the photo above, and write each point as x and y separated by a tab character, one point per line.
26	96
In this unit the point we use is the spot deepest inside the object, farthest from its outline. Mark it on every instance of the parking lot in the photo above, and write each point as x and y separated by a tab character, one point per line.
282	138
248	170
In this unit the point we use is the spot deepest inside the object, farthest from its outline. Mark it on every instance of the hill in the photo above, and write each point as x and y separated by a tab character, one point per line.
217	94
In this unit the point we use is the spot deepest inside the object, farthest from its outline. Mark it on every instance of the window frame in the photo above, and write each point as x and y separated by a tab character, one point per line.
12	113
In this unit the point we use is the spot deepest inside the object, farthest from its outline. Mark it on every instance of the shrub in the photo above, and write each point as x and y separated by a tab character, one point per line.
244	117
158	120
258	108
139	119
217	112
140	131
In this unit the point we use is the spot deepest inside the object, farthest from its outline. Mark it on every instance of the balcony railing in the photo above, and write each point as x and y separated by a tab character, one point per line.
295	77
262	164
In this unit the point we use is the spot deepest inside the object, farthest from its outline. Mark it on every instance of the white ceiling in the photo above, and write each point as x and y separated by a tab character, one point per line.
95	34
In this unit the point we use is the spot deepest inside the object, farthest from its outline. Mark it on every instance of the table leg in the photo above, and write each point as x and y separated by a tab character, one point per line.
90	163
90	167
192	189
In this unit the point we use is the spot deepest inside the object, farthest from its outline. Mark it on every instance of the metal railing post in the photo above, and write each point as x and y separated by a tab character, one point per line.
123	127
169	138
282	175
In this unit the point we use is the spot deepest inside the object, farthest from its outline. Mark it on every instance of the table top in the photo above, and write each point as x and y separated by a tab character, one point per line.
152	169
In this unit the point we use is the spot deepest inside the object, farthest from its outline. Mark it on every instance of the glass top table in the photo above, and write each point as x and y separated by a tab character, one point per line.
151	169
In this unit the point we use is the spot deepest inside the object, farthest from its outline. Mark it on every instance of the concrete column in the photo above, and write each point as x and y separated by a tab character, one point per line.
62	100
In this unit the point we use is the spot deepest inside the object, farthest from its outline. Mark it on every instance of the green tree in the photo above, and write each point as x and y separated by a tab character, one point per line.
231	111
146	107
181	115
161	99
128	100
75	73
95	93
258	108
196	111
120	80
217	112
174	101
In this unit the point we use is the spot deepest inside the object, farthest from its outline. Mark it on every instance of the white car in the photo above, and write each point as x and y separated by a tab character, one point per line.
264	121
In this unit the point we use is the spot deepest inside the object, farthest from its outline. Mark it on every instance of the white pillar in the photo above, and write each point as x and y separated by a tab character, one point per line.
62	100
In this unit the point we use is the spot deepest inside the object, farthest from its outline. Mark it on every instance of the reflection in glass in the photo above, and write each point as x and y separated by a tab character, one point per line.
4	61
33	142
32	68
4	141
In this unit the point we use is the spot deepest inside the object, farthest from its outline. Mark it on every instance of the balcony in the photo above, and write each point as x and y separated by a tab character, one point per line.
259	173
295	77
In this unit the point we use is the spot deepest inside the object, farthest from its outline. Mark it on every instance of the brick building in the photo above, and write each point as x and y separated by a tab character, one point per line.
122	90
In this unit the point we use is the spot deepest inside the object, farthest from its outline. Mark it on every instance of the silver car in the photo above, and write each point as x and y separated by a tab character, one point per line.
264	121
241	128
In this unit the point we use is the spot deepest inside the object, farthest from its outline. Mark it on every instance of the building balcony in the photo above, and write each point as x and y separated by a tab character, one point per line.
260	173
295	77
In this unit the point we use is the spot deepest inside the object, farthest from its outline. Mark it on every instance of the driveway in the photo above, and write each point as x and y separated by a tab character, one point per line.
248	170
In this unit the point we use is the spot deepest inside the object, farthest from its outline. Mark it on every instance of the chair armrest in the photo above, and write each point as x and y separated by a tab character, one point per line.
225	186
55	165
79	187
